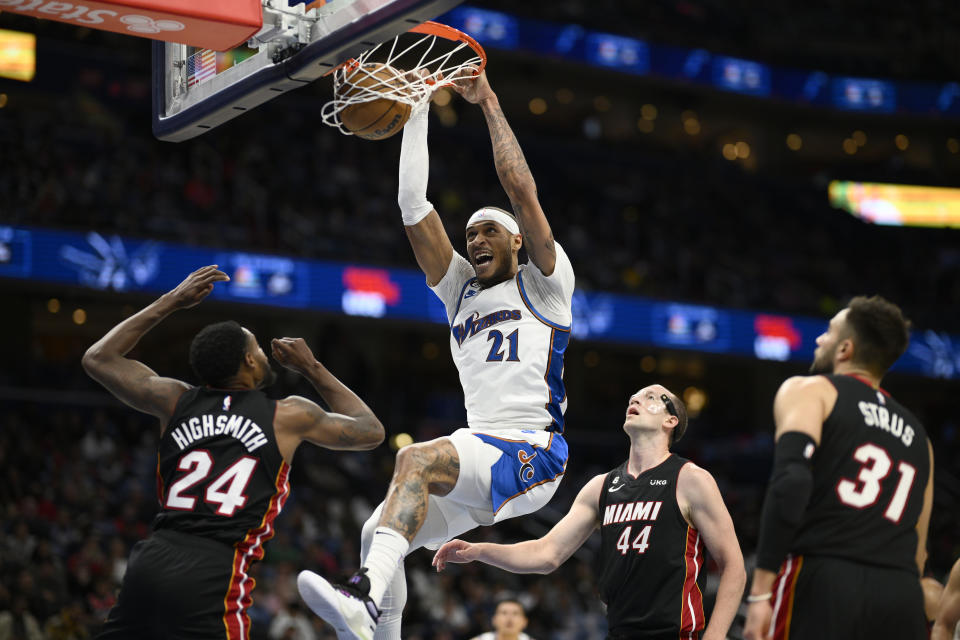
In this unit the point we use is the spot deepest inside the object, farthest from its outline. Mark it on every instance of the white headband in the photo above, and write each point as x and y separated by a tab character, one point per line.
494	215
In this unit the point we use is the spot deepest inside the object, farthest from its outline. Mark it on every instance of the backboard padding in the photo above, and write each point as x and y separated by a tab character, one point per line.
180	114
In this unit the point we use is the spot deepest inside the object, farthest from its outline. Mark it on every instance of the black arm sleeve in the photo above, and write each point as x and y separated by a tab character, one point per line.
787	496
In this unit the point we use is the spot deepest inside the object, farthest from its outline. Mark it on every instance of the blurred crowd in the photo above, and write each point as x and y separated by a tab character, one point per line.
847	37
668	223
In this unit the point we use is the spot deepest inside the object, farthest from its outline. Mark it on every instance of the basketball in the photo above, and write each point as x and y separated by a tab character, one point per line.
378	118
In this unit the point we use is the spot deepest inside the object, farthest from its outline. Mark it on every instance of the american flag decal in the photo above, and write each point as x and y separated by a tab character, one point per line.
200	66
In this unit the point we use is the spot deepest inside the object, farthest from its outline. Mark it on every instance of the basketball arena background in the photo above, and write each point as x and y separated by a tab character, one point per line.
685	153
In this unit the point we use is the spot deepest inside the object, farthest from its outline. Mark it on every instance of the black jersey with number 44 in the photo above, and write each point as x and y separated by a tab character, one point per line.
651	561
220	474
869	476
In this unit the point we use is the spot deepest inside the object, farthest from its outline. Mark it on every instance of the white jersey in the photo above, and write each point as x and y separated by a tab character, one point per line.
508	342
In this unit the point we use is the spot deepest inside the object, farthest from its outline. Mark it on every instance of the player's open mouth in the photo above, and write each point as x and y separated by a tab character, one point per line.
633	411
483	259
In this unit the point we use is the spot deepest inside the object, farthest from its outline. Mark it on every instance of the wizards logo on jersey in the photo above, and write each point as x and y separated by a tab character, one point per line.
526	468
523	466
475	324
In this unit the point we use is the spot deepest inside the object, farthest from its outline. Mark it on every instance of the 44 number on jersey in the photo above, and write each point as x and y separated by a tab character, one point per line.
639	544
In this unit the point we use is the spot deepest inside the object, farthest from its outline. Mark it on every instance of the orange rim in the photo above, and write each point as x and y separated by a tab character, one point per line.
431	28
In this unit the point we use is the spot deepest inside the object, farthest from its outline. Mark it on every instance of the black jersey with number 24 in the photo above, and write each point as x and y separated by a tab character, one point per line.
651	561
869	476
220	474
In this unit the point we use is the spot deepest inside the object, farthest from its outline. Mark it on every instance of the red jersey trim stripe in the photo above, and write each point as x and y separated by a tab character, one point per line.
784	590
692	618
159	483
249	550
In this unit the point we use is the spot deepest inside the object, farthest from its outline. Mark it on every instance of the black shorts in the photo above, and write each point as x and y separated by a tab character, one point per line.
179	586
820	598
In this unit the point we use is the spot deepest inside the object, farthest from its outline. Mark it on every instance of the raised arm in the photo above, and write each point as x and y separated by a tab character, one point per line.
352	426
534	556
948	614
701	502
429	240
131	381
515	176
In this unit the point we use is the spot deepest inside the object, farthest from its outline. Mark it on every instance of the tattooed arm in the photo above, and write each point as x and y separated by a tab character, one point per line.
514	174
351	426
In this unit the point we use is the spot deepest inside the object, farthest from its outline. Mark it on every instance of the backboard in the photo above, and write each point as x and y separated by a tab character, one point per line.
195	90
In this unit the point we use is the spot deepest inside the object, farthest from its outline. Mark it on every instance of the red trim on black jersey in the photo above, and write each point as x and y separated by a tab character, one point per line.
691	614
857	376
784	591
159	483
249	550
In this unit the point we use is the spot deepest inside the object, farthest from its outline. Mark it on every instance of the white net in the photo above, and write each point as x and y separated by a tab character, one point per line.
407	68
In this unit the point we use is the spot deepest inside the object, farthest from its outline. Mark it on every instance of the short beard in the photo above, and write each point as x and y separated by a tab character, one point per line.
500	275
822	366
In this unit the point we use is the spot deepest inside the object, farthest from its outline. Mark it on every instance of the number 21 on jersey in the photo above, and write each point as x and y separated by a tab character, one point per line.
496	349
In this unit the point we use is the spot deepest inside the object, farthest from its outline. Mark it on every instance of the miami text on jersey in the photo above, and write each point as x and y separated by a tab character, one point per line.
630	511
243	429
475	324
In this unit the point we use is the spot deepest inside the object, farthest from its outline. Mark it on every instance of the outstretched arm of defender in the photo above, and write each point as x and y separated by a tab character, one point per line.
131	381
514	173
534	556
351	426
429	240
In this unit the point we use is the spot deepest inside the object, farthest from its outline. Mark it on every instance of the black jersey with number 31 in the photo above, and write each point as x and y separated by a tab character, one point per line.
869	476
651	561
220	474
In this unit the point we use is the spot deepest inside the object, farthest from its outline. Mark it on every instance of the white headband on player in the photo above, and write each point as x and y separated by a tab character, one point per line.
494	215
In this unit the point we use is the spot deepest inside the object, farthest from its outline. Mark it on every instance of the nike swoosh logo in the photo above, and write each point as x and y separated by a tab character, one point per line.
612	489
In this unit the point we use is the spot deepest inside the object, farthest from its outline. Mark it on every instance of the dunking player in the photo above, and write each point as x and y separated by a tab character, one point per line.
509	327
223	462
656	511
844	527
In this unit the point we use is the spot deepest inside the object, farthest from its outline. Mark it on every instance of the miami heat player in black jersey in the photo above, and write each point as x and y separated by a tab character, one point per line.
220	476
649	554
658	516
844	524
859	531
221	441
223	466
869	474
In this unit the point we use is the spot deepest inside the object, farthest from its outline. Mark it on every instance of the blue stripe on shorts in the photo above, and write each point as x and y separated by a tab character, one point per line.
523	466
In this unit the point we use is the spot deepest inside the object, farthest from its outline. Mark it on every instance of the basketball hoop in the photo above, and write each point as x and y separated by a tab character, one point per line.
425	58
